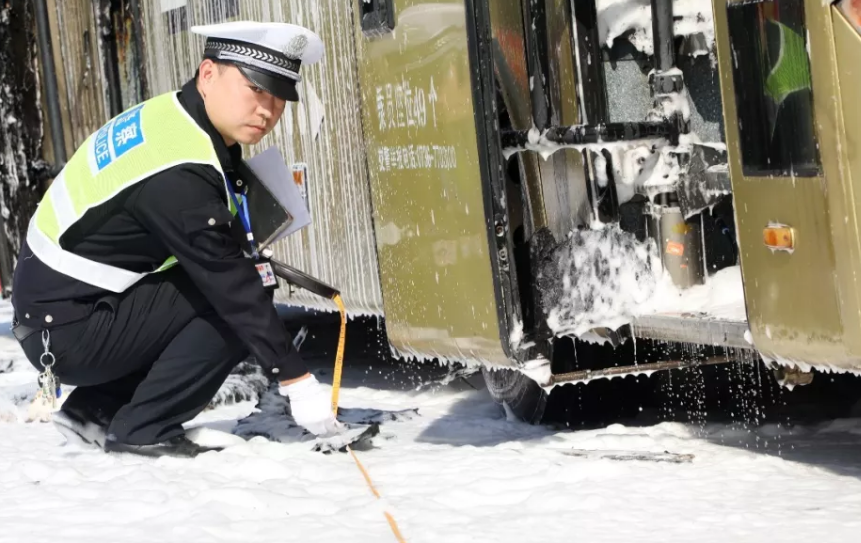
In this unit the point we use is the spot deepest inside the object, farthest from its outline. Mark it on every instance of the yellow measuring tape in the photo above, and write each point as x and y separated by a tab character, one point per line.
339	356
336	390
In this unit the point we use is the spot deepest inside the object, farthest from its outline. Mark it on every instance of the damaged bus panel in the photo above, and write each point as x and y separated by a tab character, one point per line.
502	183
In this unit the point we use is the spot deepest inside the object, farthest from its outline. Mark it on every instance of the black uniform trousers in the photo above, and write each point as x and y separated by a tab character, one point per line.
147	360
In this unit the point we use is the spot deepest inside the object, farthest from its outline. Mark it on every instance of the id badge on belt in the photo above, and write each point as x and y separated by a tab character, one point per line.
267	276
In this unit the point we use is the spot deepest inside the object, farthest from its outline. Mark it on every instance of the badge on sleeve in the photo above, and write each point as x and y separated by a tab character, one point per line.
267	276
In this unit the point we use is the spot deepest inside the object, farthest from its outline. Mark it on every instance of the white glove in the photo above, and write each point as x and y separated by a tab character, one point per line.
311	406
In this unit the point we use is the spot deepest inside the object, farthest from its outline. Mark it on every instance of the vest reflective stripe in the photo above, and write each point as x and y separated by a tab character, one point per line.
64	209
90	272
137	144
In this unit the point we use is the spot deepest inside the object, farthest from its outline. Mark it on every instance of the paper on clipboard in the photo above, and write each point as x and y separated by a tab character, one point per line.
270	168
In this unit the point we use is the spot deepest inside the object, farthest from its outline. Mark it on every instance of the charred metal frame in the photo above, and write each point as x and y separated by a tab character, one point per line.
580	135
49	73
594	110
137	22
491	164
662	32
665	80
590	66
595	129
594	107
536	62
110	66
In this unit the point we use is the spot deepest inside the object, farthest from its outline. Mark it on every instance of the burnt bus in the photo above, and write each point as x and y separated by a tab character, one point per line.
494	179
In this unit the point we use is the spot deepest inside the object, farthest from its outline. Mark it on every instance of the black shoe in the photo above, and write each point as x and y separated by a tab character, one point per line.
179	446
81	427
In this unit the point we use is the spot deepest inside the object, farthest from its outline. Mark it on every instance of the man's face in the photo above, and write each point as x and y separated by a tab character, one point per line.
240	111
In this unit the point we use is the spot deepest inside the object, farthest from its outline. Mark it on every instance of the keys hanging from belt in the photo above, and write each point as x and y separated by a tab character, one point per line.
48	382
45	403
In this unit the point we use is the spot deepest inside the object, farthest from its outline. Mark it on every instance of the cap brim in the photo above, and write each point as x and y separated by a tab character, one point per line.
280	87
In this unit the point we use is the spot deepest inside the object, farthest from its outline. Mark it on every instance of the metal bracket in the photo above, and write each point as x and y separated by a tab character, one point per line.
666	83
580	135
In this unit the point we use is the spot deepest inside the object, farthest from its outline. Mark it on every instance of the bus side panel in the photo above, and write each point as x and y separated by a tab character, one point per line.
428	202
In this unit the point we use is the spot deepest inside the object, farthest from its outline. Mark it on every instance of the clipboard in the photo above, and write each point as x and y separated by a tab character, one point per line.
275	205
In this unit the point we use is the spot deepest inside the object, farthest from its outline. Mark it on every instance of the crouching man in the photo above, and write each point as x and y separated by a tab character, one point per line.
133	285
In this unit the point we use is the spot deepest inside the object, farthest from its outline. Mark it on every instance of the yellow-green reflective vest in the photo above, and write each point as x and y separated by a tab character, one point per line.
135	145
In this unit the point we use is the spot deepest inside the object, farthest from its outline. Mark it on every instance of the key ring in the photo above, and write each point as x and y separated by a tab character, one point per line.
46	342
49	365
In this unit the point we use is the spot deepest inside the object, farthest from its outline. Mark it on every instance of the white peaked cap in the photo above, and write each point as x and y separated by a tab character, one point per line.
268	54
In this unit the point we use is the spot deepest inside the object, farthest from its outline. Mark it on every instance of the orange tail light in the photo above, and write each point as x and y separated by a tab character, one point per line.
779	237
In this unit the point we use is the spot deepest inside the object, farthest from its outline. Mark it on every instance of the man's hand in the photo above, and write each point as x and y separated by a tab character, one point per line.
311	405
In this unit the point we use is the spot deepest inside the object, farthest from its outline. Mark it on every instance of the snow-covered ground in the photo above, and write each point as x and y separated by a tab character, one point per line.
459	471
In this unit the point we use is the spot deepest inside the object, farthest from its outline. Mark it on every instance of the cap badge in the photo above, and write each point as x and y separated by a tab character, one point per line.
296	47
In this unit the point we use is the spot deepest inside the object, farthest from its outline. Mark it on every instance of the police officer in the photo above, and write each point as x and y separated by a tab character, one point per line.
133	285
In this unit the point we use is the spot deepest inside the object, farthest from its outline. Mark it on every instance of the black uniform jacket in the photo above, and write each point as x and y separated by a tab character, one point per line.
171	213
